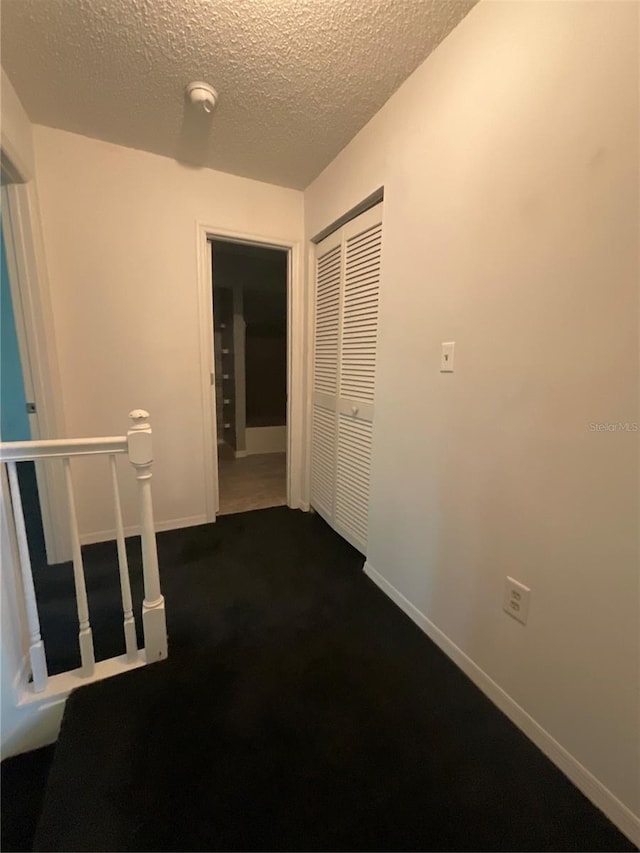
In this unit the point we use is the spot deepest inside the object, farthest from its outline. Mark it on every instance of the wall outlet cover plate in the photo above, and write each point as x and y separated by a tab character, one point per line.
516	600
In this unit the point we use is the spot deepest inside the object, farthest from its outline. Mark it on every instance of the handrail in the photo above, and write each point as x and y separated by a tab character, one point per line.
25	451
137	444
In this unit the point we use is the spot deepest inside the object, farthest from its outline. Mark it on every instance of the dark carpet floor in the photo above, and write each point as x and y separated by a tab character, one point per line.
23	780
299	710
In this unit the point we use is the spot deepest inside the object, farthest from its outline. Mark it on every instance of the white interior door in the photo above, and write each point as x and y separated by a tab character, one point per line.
347	299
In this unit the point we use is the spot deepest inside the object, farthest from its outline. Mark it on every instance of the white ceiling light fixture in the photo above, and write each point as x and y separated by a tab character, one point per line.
203	96
333	64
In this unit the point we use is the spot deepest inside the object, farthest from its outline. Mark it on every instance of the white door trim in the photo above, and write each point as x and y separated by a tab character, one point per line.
296	360
36	340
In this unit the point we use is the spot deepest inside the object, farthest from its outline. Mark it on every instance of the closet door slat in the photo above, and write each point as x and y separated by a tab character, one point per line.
352	478
328	281
323	459
360	315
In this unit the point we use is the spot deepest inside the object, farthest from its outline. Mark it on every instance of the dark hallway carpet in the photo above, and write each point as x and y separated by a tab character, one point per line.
299	710
22	784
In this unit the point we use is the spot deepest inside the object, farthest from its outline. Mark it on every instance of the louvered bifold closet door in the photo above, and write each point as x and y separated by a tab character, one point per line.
353	471
328	287
360	311
362	241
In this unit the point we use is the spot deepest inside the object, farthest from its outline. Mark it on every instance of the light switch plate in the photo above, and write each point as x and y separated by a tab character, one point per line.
446	357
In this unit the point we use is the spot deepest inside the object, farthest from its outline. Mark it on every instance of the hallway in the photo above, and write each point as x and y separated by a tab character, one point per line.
299	709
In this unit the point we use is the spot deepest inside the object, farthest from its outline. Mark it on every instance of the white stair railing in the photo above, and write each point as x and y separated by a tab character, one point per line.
37	657
137	444
85	636
153	617
129	624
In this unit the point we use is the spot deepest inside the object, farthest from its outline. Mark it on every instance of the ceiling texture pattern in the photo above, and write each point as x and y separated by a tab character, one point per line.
296	79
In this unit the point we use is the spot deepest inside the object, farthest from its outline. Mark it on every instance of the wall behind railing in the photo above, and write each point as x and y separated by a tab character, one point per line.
22	727
16	138
15	638
120	235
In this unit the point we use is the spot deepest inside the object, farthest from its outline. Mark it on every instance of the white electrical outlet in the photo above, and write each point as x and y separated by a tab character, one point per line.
516	600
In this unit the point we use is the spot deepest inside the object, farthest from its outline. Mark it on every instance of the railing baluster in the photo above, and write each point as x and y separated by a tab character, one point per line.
36	646
131	642
85	637
137	443
153	613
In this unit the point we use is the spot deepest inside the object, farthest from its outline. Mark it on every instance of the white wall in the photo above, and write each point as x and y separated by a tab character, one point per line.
271	439
510	166
120	234
22	727
14	636
16	141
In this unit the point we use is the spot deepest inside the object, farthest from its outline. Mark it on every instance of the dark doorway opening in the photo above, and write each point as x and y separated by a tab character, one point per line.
14	419
250	343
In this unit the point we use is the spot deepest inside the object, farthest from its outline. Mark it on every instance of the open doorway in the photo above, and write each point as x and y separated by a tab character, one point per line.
14	410
250	354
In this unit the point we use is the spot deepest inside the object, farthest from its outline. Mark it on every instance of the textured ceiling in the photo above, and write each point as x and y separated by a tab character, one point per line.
296	78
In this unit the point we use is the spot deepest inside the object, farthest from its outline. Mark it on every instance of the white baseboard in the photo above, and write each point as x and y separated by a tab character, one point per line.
626	821
266	439
240	454
37	726
134	529
37	716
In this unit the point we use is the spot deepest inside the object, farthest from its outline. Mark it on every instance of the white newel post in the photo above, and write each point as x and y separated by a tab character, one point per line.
130	639
153	613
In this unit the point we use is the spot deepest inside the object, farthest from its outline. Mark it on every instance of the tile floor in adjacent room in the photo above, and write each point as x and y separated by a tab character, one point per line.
255	482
